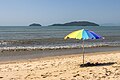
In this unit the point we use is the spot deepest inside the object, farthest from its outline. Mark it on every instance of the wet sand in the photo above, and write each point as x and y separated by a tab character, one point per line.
32	54
65	67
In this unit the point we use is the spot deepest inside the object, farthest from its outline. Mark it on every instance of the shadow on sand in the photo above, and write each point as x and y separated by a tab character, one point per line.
88	64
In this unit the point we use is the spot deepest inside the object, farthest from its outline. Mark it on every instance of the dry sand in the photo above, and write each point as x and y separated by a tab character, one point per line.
65	67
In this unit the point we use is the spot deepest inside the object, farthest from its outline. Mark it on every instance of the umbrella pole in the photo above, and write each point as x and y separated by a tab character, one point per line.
83	52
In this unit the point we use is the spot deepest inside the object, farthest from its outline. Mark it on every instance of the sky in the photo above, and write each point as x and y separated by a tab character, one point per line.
47	12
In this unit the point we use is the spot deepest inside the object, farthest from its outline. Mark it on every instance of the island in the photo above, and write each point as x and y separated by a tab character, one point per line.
77	23
35	24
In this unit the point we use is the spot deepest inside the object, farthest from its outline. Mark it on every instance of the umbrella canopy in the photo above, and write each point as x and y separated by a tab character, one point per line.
83	35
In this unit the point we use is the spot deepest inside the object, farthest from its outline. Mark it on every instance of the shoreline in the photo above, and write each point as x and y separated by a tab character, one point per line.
25	55
59	57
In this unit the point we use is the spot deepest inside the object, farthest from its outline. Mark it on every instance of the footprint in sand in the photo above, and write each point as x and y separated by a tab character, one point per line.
31	76
75	72
1	77
62	78
76	75
46	75
44	64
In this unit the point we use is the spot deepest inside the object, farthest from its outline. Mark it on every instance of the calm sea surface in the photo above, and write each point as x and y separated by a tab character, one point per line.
51	37
37	32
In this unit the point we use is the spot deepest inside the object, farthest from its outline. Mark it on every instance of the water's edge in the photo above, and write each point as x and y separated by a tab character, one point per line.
24	55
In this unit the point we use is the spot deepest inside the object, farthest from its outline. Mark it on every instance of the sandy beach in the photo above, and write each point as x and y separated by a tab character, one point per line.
66	67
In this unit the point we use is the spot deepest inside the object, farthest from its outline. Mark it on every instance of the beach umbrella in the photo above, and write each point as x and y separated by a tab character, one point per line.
83	35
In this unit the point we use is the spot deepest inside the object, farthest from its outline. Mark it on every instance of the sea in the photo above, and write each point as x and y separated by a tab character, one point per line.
52	37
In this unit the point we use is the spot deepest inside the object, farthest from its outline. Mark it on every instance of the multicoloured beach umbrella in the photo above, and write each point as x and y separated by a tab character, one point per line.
83	35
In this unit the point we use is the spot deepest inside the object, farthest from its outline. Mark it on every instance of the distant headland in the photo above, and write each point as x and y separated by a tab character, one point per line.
35	24
74	23
77	23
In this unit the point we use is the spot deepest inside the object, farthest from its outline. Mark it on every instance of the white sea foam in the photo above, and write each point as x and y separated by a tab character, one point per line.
52	47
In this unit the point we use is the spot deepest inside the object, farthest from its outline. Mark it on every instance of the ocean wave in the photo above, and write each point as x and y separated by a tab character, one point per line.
51	44
50	47
116	43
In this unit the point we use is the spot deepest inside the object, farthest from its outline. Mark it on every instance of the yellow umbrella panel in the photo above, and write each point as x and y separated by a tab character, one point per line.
76	34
